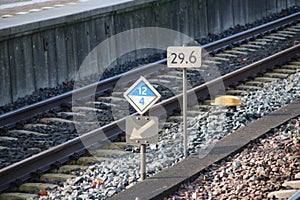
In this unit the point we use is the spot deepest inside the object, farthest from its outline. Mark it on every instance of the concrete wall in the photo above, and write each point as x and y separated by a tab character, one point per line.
43	54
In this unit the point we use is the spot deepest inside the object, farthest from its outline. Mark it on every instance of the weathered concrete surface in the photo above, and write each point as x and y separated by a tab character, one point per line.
44	48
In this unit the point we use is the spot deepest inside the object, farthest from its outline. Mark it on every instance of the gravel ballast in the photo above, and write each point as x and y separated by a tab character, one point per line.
204	130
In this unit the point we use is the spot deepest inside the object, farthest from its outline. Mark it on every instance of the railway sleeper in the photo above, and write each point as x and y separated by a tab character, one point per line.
55	177
276	75
283	35
158	81
288	32
264	40
89	160
213	60
265	79
172	73
98	104
59	120
68	115
87	109
28	126
110	153
117	94
6	138
115	99
176	78
244	49
36	187
285	71
297	26
123	145
247	87
26	132
69	168
233	51
275	37
259	42
226	55
179	118
254	83
293	65
293	29
17	195
251	46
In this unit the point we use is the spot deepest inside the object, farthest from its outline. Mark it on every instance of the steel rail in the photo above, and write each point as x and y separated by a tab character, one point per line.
43	161
9	119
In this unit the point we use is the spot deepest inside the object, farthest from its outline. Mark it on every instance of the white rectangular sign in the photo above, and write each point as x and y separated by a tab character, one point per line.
184	57
142	130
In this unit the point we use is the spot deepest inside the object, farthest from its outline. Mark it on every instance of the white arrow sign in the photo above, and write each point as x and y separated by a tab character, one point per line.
142	130
137	133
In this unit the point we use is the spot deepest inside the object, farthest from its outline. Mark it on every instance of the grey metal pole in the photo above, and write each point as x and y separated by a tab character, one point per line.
184	111
143	162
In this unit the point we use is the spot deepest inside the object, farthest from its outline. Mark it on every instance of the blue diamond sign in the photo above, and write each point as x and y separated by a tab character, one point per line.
142	95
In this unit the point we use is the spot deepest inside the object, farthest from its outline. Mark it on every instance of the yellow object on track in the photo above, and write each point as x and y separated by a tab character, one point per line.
227	100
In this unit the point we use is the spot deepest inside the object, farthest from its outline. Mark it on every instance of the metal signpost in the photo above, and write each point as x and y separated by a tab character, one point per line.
184	57
141	129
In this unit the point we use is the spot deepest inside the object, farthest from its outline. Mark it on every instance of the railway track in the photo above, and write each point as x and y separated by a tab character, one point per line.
247	42
111	129
74	147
